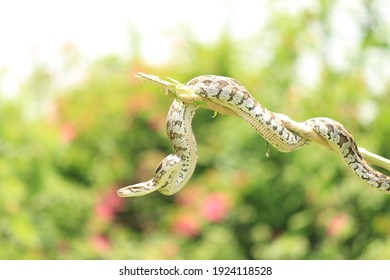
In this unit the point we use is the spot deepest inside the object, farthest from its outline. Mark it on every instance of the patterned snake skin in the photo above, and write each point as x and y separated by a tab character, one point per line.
176	169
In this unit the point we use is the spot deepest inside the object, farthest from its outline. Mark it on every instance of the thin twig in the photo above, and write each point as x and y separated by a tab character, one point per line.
375	159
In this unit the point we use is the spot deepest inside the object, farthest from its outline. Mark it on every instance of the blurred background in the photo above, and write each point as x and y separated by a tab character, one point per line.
76	125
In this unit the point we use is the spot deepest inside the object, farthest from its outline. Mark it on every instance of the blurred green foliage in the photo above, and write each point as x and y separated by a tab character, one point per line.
64	151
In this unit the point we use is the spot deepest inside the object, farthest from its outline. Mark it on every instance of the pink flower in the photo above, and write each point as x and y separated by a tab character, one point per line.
215	207
337	224
101	242
186	225
109	206
68	132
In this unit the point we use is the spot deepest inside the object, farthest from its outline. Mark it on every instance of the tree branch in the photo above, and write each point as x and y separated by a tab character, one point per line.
185	94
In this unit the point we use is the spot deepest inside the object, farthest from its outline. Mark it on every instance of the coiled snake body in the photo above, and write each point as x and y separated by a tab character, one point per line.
175	170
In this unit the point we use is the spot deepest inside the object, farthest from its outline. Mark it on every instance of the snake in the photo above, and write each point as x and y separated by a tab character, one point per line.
174	171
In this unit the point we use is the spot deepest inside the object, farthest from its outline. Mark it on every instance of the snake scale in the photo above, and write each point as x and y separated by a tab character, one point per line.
175	170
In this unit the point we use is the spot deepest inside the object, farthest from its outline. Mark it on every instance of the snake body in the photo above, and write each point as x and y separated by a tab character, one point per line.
175	170
232	94
343	143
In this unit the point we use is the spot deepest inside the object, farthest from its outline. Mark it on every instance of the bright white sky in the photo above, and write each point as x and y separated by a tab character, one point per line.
37	31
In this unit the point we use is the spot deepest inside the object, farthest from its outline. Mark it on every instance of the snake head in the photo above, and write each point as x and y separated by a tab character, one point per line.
137	189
